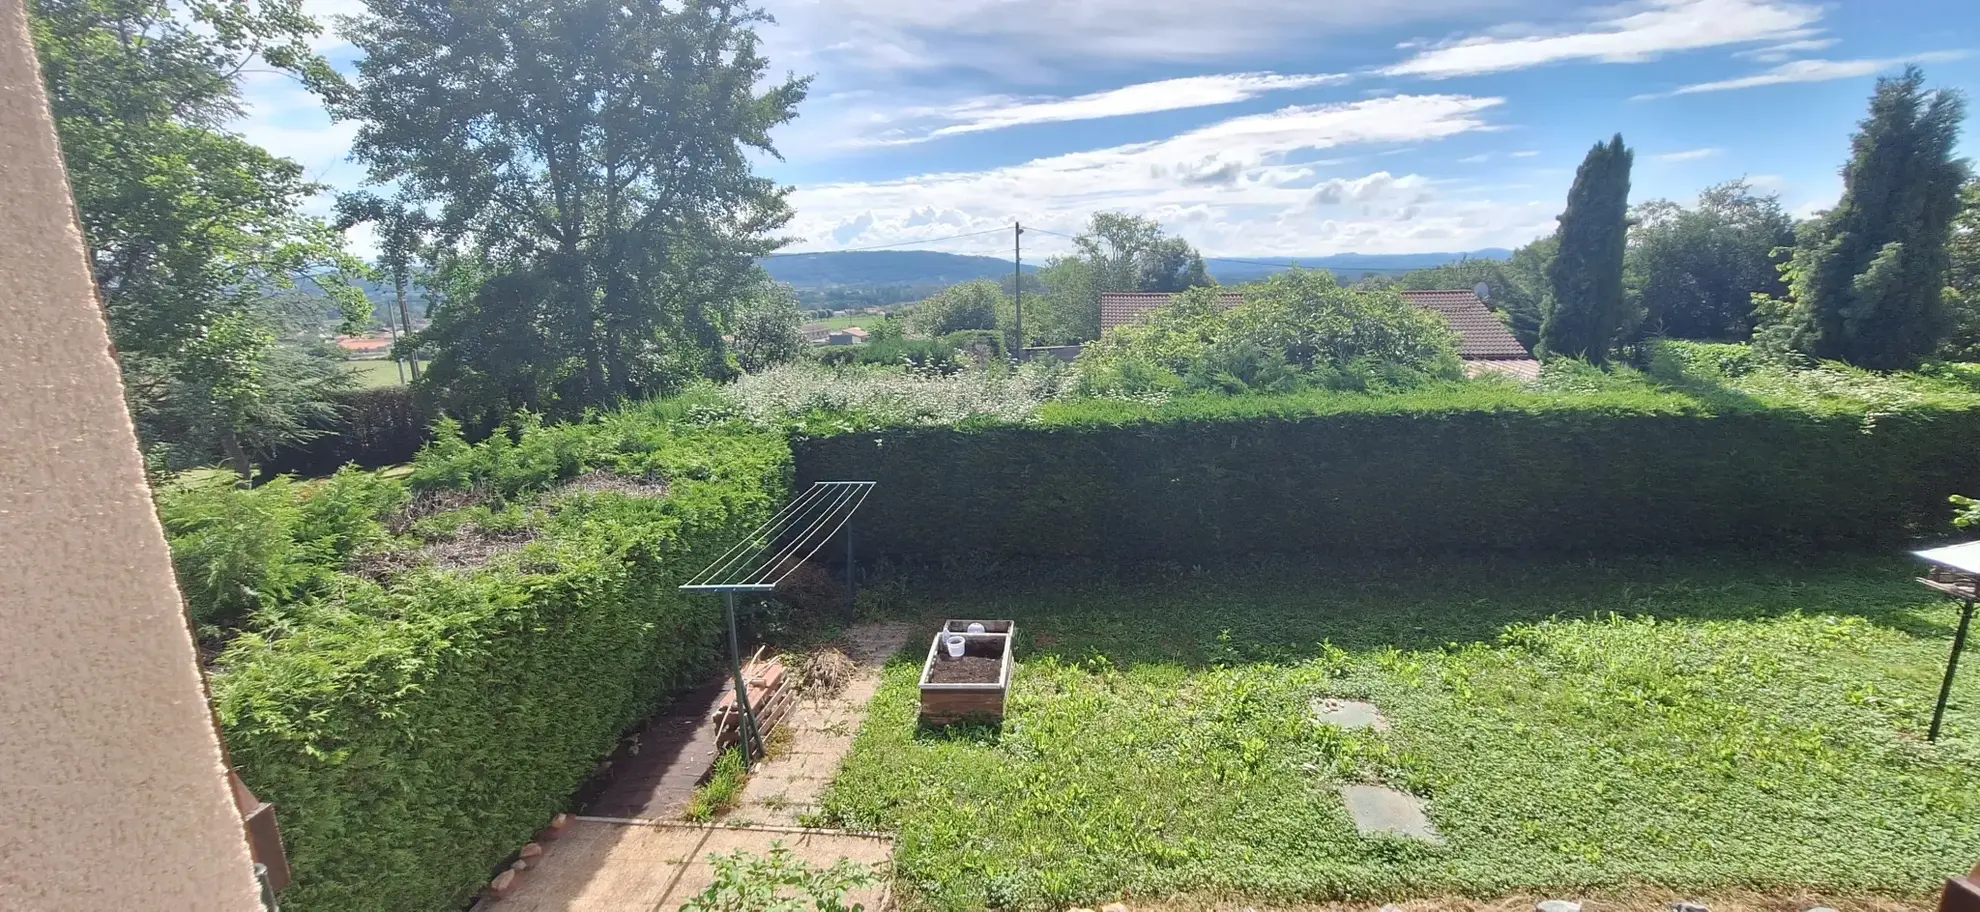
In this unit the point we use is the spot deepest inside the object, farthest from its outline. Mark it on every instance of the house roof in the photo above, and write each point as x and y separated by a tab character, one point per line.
1118	308
363	343
1481	337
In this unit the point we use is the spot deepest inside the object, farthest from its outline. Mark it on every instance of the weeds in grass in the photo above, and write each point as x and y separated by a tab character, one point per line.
723	789
778	743
779	882
1692	722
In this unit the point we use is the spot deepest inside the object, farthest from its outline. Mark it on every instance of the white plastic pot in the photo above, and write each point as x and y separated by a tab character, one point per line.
976	628
955	645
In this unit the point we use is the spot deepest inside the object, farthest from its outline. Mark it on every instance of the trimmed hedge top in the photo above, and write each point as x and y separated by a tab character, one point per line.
1710	448
416	724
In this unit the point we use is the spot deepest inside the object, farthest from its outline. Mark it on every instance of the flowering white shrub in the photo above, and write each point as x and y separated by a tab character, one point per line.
895	396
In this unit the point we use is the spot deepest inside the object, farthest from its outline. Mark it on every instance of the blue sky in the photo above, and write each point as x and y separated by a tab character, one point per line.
1283	127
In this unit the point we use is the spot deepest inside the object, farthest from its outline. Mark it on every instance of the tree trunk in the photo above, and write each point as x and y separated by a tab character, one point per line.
237	455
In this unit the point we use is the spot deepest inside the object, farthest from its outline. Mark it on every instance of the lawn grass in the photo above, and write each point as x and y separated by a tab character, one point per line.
722	790
376	373
1695	723
863	321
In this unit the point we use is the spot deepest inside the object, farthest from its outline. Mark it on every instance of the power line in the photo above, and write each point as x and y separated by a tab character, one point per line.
953	237
1218	259
1254	262
1053	233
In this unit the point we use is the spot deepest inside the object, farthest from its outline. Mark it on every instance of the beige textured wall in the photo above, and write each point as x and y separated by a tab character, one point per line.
112	792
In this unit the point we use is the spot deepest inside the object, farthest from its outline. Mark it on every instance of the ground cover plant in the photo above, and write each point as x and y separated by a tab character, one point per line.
1696	723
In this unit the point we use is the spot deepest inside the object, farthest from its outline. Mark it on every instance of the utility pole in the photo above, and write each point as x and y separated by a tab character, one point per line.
405	313
396	363
1017	284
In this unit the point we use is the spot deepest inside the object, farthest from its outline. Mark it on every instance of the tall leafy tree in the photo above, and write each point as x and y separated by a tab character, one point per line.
593	155
1963	275
1693	272
1585	308
766	327
1116	252
1867	279
402	236
981	304
197	241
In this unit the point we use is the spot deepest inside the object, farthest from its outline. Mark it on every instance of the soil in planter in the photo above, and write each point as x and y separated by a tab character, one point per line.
966	670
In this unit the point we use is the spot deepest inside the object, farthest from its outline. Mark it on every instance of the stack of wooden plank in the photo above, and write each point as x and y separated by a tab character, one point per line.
772	699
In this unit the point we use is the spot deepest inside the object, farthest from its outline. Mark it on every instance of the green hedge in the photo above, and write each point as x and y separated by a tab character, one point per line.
415	734
373	428
1561	477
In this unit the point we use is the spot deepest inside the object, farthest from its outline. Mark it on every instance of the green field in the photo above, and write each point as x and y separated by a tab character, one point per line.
1697	724
863	321
373	374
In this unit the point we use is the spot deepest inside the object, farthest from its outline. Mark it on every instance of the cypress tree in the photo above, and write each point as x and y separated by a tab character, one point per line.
1585	308
1867	279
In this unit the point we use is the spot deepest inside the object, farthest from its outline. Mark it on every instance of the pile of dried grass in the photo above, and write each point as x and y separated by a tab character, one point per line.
825	672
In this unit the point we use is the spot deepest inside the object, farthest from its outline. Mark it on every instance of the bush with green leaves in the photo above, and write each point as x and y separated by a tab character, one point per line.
1295	330
416	725
813	398
978	305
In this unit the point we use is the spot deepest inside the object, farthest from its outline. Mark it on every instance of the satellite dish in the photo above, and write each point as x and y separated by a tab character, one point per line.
1483	291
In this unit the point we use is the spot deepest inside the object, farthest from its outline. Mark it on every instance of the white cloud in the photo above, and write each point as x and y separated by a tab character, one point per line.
1029	40
1786	50
1236	185
1653	30
1526	153
999	112
1809	71
1478	159
1689	154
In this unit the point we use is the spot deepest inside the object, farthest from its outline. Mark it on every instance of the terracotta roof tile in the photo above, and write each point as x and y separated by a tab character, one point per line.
1121	307
1480	334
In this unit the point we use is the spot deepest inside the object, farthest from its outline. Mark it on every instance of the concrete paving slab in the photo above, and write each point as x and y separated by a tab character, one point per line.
647	866
1379	810
1349	714
786	788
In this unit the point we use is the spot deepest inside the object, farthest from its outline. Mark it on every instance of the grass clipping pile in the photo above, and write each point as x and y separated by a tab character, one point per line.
825	673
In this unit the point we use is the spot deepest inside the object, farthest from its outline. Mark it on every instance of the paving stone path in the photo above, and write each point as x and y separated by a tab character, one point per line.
1349	714
615	864
785	789
1382	811
1377	810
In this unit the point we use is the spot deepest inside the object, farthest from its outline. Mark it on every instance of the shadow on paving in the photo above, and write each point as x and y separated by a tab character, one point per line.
1282	610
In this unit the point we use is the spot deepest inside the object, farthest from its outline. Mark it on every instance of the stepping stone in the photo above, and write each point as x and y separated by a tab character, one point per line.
1349	714
1379	811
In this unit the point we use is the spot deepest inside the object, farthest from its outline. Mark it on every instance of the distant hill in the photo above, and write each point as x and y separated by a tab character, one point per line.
871	269
1346	266
885	267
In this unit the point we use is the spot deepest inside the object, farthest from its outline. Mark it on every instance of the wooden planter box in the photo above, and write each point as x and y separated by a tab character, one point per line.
942	704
